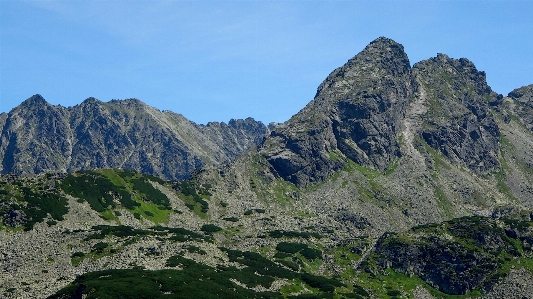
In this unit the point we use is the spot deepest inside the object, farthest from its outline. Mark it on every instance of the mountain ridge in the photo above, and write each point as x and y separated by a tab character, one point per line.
40	137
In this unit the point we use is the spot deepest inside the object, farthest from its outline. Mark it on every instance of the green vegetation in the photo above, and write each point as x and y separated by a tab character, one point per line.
210	228
106	190
465	255
194	281
501	174
37	204
293	234
195	249
349	251
194	197
438	157
77	258
97	190
150	193
442	202
303	249
231	219
121	231
475	251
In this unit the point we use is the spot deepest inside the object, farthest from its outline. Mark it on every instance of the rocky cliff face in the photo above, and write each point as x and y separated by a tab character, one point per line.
356	113
364	109
39	137
458	121
521	104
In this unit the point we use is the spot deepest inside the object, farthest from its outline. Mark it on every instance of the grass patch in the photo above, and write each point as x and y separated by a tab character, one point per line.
153	212
194	197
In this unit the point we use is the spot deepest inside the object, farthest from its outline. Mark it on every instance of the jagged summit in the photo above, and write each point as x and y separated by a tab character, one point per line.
356	113
382	57
91	100
365	107
34	100
520	103
459	122
524	94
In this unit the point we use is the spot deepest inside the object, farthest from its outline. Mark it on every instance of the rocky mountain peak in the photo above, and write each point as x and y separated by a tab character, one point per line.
356	113
520	103
458	122
131	102
381	58
359	113
34	101
523	94
385	52
91	101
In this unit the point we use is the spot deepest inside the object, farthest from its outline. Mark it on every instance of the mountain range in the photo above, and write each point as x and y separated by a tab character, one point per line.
395	181
39	137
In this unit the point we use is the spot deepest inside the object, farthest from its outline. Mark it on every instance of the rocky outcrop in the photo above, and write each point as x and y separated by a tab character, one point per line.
356	113
457	256
3	118
40	137
522	105
458	122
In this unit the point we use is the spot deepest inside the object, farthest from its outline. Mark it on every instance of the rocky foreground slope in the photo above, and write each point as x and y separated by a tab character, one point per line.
394	182
39	137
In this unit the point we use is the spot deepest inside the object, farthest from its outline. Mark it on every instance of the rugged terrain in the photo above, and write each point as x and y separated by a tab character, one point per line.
38	137
396	181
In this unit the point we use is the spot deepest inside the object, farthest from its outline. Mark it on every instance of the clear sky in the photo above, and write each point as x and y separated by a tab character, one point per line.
217	60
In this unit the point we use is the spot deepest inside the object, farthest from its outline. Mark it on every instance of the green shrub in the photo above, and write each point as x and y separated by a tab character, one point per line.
99	247
196	249
151	193
97	190
325	284
232	219
293	234
77	254
394	293
210	228
41	204
292	248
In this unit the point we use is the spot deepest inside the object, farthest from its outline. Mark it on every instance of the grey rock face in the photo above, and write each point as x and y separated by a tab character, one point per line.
445	263
523	105
459	122
39	137
356	113
3	118
30	142
359	110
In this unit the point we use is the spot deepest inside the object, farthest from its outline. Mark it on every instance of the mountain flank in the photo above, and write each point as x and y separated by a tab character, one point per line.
39	137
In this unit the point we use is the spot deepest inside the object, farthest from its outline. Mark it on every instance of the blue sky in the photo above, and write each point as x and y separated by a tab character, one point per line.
217	60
